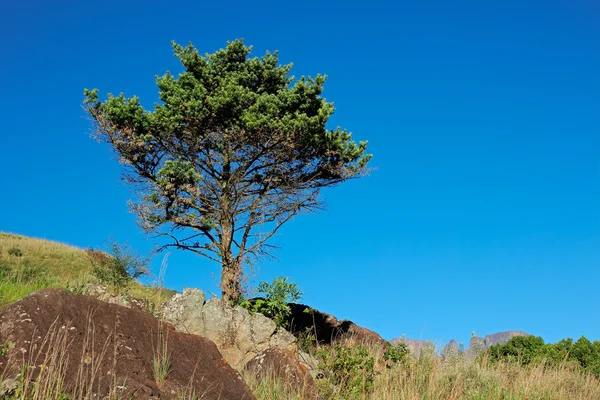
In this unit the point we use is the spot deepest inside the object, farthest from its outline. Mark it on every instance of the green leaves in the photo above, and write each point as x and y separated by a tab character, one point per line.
277	295
530	349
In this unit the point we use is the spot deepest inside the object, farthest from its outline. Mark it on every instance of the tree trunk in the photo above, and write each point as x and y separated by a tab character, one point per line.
230	280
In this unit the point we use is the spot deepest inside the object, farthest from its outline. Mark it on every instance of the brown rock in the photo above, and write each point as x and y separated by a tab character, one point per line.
104	340
284	366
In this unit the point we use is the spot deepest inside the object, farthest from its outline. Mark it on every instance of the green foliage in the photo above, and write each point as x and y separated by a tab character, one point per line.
15	251
522	349
4	349
274	304
532	349
119	265
23	274
161	360
396	355
348	371
307	340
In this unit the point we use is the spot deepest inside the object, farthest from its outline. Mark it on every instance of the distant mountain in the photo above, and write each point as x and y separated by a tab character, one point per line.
415	346
476	345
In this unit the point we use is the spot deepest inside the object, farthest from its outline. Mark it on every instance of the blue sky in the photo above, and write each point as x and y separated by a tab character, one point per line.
483	212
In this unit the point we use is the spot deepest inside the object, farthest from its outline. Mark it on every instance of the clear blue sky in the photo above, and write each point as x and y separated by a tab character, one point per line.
483	213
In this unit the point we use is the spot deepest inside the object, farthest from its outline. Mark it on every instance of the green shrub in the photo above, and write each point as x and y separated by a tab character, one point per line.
277	295
522	349
348	372
119	265
15	251
398	354
532	349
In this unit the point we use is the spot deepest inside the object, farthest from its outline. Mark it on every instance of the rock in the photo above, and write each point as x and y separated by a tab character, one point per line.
282	339
416	347
311	363
91	332
327	329
285	368
101	293
478	344
186	309
450	350
239	335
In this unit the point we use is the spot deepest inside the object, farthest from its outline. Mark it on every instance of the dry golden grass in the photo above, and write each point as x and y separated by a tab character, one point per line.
471	379
44	370
431	378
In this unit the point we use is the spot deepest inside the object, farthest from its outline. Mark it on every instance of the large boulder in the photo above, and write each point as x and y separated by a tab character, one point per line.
327	329
91	348
238	334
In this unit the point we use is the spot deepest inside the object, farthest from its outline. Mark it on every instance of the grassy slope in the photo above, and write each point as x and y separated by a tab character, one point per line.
45	264
59	265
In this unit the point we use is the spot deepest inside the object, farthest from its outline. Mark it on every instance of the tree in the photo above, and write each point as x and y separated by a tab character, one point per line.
235	148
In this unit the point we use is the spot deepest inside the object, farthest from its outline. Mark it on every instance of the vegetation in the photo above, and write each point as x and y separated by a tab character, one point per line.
348	371
526	350
44	370
275	303
45	264
429	377
234	150
161	361
119	266
526	368
41	264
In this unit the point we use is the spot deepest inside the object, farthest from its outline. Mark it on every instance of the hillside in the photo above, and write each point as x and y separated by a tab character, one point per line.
348	361
29	264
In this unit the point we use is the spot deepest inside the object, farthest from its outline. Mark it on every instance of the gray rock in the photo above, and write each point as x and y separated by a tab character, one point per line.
239	335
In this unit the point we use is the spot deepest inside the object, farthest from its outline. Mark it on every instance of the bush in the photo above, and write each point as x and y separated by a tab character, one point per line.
15	251
277	295
398	354
119	265
522	349
348	371
532	349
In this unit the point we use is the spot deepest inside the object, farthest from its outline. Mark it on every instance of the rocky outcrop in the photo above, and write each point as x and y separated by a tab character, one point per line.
239	335
327	329
102	293
93	348
416	347
284	367
478	344
450	350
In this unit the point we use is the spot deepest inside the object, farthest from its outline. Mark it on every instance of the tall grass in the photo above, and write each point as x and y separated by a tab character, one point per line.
428	377
41	264
479	379
43	373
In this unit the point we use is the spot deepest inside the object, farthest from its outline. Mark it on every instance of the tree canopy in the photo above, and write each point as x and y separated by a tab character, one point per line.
234	149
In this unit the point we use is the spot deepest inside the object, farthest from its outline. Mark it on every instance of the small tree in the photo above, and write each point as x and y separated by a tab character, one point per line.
119	265
277	296
235	148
